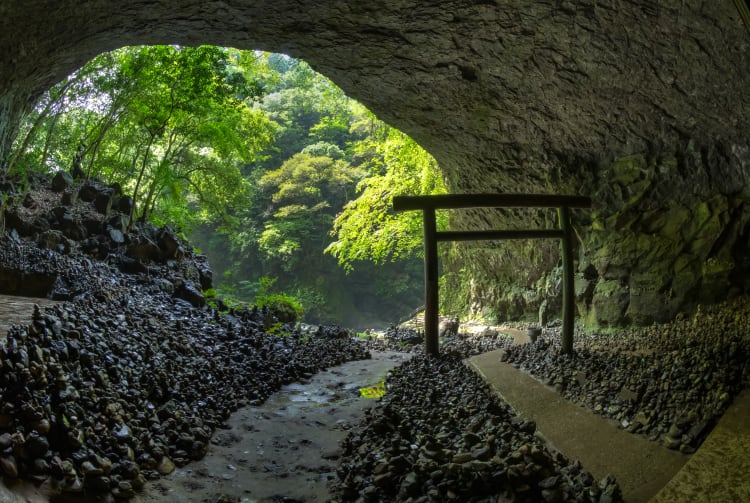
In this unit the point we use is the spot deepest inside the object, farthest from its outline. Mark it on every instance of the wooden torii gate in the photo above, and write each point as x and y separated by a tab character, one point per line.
428	205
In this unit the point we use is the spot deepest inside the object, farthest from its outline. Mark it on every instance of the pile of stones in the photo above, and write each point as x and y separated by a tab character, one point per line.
131	375
87	222
99	396
440	434
397	338
669	382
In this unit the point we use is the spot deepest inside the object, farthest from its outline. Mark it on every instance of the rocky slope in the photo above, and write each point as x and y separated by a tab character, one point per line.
440	434
132	375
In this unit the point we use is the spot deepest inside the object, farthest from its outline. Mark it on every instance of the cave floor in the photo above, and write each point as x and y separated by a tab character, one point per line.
644	470
286	449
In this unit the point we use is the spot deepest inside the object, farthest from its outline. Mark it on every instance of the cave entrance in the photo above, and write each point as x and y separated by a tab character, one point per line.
428	205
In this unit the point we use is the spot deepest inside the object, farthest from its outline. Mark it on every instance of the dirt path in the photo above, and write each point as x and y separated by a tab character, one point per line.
285	450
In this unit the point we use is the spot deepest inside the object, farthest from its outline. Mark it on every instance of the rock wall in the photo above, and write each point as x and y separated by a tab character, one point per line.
670	232
641	104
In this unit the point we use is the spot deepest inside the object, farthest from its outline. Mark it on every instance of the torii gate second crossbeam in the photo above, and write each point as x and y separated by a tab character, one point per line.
428	205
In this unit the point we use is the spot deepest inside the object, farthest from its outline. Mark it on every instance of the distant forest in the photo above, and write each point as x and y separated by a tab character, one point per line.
267	167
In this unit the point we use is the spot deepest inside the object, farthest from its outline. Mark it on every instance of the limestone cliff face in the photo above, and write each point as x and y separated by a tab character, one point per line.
641	104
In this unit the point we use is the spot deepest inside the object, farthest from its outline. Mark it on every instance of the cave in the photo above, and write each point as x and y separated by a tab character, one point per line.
641	105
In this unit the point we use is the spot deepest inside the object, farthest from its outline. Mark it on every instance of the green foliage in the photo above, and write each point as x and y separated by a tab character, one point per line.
377	391
368	228
173	125
286	308
259	158
328	151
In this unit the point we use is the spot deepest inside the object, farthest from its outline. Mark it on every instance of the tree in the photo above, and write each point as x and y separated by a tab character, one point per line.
173	125
368	229
305	193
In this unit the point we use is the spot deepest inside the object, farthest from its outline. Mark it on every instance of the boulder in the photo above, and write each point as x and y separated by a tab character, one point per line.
39	225
142	248
116	236
103	201
92	226
206	278
188	292
13	220
88	191
54	240
76	231
123	204
62	181
119	222
170	245
69	197
131	266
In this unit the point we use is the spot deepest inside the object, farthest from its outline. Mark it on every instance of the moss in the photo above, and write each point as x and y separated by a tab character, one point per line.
668	224
637	190
628	169
611	299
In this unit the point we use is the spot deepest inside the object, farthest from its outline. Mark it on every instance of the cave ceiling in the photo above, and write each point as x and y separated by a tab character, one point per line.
500	92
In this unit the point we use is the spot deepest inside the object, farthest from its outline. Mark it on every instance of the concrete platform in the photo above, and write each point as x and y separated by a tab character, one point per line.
720	469
642	468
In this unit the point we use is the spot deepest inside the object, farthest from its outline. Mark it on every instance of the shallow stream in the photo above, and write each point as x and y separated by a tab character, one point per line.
286	449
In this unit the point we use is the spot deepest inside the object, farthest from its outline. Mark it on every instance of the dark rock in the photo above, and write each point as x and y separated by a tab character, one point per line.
69	197
170	245
142	248
14	221
131	266
54	240
76	231
88	192
188	292
123	204
103	202
39	225
28	202
61	216
36	445
118	222
62	181
92	226
206	278
8	466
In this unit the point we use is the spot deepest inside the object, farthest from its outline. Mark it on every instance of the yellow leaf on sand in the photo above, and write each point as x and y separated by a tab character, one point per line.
376	391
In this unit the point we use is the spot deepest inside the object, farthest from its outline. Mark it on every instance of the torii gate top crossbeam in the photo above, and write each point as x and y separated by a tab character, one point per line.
456	201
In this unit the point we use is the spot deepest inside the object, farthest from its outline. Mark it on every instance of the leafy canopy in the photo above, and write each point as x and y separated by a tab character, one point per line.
368	229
